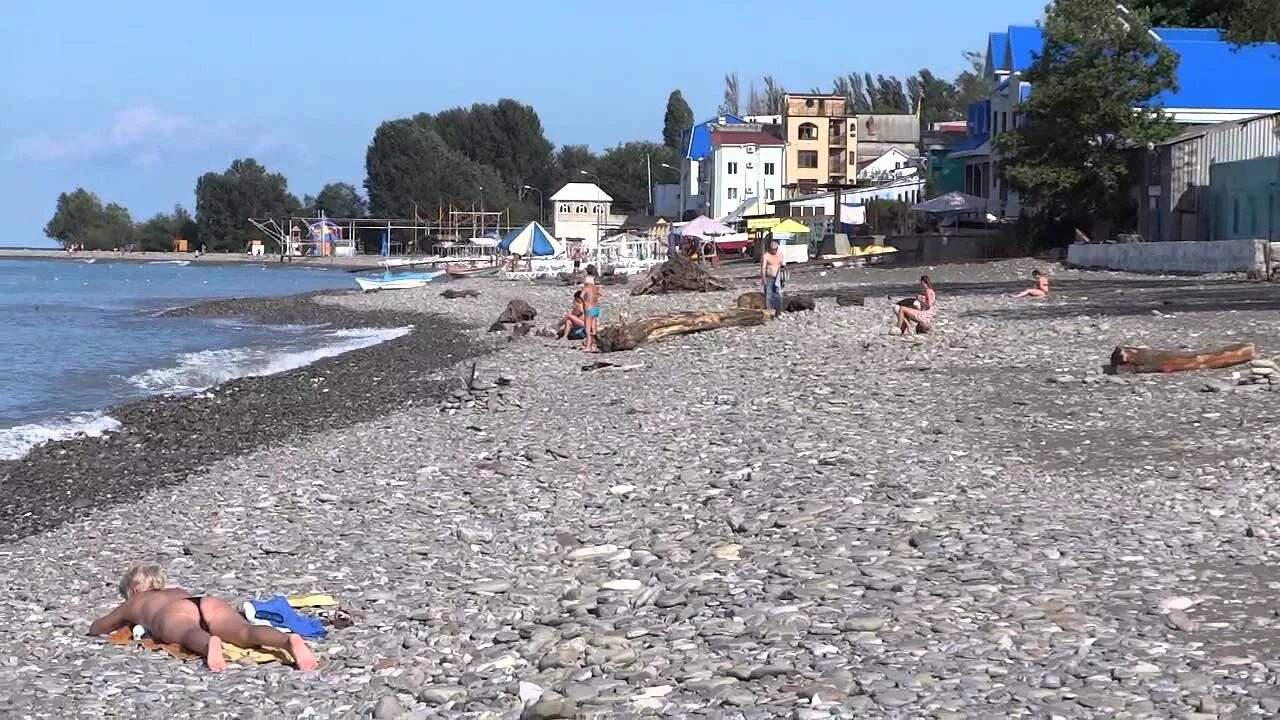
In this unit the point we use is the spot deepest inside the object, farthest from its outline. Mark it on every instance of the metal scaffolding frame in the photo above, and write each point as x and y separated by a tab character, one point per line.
419	235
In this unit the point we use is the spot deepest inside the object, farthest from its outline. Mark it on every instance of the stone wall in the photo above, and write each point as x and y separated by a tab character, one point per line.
1193	257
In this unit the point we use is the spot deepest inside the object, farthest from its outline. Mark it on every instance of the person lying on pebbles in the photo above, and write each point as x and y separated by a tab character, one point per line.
197	623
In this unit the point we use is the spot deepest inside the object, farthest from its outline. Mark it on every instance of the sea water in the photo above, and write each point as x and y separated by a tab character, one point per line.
77	338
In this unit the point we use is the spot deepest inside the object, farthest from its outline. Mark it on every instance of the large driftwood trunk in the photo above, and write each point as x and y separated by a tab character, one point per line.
790	303
679	274
1146	360
629	336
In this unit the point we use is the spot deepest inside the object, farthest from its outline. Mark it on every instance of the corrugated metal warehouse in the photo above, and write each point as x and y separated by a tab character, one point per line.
1179	203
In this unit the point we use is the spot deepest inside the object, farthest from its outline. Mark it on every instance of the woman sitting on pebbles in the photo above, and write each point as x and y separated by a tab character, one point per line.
575	323
197	623
920	317
1040	290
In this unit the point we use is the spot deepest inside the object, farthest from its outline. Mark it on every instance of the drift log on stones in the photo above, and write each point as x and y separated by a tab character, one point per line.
790	303
1146	360
517	311
679	274
454	294
629	336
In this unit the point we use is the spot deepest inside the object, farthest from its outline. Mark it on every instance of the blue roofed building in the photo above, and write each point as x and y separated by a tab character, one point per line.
1217	83
697	145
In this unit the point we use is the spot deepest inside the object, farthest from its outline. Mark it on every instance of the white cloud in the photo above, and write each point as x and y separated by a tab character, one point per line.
142	134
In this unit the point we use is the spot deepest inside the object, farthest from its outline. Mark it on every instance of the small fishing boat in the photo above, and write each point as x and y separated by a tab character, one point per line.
179	263
397	281
89	261
462	271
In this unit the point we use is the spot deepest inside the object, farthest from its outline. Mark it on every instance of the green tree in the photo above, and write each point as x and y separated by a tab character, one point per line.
158	233
506	136
854	89
732	102
939	99
409	164
624	173
80	218
1068	160
676	121
225	201
75	216
339	199
570	161
775	98
1245	21
890	96
971	85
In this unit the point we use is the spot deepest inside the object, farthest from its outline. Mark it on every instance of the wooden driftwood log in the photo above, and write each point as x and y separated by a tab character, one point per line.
790	303
629	336
679	274
1146	360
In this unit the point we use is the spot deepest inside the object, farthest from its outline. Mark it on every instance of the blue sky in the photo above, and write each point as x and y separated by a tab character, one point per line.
134	100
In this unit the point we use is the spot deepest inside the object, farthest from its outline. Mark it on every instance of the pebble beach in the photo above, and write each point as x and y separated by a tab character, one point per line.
808	519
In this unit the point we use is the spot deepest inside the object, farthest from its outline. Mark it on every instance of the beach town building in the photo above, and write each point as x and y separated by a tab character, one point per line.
582	212
1217	82
821	141
697	149
892	164
852	201
1212	182
745	164
878	133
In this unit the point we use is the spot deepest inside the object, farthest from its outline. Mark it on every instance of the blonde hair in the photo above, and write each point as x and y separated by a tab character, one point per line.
142	578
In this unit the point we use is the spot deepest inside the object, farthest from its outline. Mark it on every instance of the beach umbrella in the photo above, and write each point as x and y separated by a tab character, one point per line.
790	227
532	240
704	227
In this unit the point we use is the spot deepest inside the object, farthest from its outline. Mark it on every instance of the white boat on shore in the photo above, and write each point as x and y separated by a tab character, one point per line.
397	281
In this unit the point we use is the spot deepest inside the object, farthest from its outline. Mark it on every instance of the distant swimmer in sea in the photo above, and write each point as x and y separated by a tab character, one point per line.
1040	290
198	623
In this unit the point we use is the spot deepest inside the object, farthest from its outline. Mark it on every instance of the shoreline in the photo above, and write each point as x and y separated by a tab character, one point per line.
163	439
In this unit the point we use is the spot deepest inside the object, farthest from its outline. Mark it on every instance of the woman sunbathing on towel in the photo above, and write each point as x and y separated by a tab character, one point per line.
197	623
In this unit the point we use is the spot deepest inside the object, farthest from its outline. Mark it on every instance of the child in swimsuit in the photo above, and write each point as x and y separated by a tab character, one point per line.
591	295
197	623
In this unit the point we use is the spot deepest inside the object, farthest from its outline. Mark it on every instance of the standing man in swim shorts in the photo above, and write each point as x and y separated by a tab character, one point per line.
771	266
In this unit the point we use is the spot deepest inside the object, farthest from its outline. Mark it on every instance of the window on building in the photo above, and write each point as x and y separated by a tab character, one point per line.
808	131
768	168
1004	122
732	168
582	209
807	158
1253	216
768	194
1235	216
565	209
733	193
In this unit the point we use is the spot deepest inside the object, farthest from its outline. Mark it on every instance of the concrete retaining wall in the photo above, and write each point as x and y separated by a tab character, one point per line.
1193	257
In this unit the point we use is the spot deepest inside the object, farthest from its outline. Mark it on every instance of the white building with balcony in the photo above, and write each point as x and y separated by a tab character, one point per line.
583	212
746	166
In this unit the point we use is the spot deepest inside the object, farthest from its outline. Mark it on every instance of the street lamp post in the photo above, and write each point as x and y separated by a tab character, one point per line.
541	202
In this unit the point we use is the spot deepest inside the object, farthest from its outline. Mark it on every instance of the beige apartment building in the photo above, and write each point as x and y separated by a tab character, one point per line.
822	142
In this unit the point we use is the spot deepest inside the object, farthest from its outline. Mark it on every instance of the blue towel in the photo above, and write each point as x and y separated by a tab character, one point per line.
280	614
